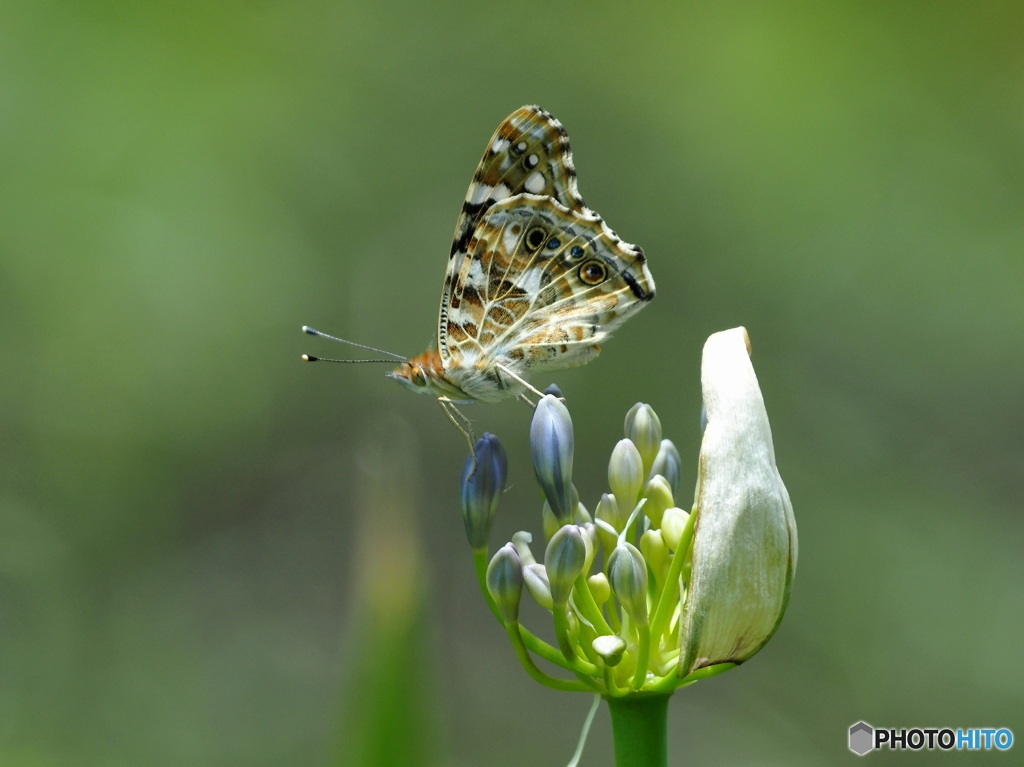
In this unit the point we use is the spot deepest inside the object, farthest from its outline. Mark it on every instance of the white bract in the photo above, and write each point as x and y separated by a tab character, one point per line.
745	544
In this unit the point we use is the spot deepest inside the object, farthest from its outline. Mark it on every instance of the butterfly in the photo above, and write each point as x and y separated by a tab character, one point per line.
535	279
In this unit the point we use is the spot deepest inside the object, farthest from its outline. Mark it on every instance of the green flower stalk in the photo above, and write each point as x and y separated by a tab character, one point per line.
644	596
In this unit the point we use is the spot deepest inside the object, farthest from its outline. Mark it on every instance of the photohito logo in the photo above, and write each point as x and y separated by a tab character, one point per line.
865	738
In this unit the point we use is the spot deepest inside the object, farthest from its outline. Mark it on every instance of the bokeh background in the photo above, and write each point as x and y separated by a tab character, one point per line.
212	554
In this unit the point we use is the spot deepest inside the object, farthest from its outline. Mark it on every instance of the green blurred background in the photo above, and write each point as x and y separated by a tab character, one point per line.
212	554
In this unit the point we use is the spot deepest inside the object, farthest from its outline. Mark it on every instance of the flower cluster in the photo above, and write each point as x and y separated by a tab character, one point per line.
645	596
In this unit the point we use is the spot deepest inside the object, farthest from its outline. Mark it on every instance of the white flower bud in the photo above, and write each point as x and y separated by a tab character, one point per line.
673	522
627	574
610	648
505	582
626	475
607	511
522	541
653	547
536	579
564	560
644	429
599	588
590	539
659	497
549	521
668	464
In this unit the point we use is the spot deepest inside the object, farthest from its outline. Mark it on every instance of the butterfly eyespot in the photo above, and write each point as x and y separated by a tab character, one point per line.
535	238
553	243
518	148
576	251
593	272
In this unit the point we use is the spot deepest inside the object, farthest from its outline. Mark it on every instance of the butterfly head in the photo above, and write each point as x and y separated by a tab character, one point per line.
419	372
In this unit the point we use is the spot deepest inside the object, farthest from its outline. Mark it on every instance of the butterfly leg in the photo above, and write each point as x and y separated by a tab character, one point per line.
448	406
510	374
528	401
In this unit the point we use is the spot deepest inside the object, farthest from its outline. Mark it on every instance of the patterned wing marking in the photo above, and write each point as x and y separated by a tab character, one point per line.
541	286
528	153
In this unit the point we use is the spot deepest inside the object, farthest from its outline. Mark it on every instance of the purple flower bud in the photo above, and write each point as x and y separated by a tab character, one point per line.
482	487
551	441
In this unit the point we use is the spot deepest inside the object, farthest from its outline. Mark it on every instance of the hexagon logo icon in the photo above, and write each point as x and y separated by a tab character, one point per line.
862	737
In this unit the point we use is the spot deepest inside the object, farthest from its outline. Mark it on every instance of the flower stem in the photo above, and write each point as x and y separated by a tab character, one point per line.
581	667
639	729
643	654
667	601
589	608
533	642
570	685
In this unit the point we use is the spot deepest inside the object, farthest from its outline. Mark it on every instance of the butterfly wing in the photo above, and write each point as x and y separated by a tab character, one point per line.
535	279
529	152
540	287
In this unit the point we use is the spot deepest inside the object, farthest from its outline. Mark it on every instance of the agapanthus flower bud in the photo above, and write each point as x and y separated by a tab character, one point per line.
483	482
673	522
572	623
505	582
610	647
590	541
554	391
745	545
607	511
549	522
599	588
564	560
644	429
627	575
536	579
626	475
655	552
667	464
659	497
582	516
551	441
522	541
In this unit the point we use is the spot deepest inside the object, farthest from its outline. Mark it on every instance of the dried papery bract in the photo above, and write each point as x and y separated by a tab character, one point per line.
745	543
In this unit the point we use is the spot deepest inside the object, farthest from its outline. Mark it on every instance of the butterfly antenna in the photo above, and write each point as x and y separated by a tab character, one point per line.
311	358
315	332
